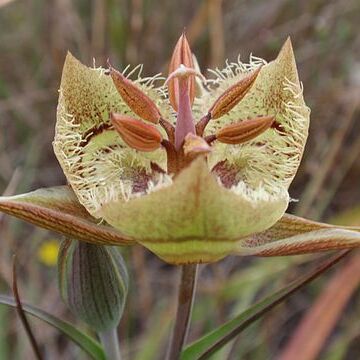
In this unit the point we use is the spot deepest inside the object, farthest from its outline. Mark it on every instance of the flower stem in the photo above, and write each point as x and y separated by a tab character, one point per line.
110	342
185	302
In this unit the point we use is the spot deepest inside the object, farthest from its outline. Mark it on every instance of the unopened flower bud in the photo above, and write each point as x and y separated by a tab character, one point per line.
231	97
93	282
138	135
135	98
243	131
181	55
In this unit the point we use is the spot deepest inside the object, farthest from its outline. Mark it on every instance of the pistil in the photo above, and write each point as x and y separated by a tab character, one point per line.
185	121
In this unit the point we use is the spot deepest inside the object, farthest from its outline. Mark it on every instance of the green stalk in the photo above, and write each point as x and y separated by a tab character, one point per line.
110	342
186	297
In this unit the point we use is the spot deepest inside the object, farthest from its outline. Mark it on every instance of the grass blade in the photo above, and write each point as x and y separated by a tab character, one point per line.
22	315
318	323
216	339
88	344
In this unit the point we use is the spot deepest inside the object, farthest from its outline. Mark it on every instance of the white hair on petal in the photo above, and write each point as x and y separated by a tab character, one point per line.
269	162
163	181
99	166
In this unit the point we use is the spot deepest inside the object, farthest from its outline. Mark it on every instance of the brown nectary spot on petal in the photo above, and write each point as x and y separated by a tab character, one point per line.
140	181
277	126
228	174
157	168
96	130
141	178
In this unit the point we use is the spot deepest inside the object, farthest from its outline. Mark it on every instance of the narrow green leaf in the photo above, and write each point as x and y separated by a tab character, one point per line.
4	343
88	344
207	345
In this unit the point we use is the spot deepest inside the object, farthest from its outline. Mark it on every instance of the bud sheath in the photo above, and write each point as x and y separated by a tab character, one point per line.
93	282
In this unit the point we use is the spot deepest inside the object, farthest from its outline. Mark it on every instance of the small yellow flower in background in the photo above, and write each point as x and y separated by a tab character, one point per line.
48	252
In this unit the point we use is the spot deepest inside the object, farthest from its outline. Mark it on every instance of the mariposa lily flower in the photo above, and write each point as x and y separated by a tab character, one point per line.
192	169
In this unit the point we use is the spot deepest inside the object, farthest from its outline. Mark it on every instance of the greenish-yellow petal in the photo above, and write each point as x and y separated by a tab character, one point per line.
272	159
95	160
194	219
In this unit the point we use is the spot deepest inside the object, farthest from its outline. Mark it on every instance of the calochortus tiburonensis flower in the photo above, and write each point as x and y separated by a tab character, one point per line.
193	169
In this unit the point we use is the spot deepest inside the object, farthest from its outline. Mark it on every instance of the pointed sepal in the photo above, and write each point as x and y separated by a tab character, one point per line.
293	235
58	209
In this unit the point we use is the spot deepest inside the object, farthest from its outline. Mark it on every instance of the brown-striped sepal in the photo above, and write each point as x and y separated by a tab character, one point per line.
58	209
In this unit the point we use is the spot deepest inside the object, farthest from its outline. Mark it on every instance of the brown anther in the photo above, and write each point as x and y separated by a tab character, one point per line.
182	55
231	97
195	145
243	131
138	135
135	98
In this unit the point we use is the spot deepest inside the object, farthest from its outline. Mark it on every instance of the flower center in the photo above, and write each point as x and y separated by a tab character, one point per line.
185	141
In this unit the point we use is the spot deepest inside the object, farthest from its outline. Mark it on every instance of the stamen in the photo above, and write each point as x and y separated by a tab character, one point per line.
136	134
243	131
134	97
232	96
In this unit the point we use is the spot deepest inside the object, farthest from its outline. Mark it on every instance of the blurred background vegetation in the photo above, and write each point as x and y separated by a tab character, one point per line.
34	38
